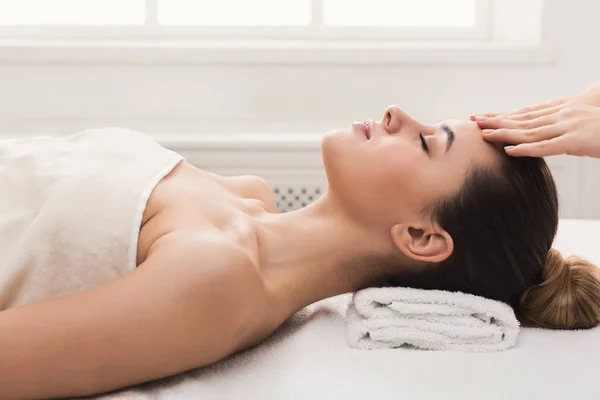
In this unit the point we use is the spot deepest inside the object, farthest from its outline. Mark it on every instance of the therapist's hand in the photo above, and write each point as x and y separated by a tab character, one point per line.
565	126
590	96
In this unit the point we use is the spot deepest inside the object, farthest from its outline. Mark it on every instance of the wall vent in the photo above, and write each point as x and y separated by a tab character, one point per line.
295	196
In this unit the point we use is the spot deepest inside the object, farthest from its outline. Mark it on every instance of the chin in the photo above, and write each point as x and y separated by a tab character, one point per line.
335	146
332	154
341	153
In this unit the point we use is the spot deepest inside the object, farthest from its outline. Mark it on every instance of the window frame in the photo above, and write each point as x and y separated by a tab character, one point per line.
316	31
514	35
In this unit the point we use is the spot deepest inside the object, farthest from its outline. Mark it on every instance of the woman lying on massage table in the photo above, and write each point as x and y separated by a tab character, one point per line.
218	269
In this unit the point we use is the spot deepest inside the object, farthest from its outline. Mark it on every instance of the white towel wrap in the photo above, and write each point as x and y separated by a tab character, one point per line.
71	209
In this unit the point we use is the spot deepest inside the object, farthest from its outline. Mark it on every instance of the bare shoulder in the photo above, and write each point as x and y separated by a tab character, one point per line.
255	187
220	266
232	280
206	256
212	250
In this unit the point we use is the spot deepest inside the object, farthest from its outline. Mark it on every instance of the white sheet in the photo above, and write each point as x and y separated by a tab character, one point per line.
308	358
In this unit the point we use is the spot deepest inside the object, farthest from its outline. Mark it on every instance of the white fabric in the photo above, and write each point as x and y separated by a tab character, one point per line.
429	319
309	358
71	209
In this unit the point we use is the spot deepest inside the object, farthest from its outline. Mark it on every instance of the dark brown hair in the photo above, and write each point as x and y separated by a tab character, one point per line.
503	223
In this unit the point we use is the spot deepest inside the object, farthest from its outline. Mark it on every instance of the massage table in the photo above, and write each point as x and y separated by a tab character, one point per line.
308	358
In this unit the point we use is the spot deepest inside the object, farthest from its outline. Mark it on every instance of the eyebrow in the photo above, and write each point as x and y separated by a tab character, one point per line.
450	134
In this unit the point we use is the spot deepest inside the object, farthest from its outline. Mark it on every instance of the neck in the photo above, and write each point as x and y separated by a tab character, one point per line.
314	253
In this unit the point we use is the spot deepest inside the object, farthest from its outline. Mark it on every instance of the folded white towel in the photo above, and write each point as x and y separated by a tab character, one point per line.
390	317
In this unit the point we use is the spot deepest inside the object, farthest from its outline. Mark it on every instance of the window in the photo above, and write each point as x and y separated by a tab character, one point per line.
267	19
234	12
71	12
272	31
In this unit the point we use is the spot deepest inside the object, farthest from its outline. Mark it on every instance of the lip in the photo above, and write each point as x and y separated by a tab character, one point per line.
363	127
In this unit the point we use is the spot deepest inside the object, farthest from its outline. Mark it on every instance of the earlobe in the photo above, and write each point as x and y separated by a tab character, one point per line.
422	242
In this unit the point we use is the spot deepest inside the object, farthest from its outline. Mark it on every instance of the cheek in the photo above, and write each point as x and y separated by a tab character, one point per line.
400	163
396	172
410	177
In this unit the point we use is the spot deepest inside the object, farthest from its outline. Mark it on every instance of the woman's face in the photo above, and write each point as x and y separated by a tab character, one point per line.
387	171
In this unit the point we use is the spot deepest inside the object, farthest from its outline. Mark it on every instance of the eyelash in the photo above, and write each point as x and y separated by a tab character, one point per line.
424	143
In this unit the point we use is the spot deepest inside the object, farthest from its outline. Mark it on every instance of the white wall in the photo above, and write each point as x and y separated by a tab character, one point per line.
288	99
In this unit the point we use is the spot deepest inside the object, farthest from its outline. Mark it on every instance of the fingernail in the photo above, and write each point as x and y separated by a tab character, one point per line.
508	148
481	118
486	131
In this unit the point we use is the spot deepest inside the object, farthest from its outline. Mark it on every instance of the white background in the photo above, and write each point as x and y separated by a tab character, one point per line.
195	99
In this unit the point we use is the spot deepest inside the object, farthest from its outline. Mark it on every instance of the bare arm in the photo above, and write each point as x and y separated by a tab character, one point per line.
186	306
567	125
592	94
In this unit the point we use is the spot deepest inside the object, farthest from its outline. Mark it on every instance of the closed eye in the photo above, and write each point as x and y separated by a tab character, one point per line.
424	143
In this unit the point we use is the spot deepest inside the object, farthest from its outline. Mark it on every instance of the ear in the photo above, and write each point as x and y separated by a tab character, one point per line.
422	242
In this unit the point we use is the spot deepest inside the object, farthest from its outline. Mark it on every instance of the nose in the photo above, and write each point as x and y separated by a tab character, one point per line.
394	119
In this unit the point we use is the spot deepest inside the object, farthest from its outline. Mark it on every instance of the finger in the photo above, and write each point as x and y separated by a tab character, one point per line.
525	110
497	123
518	136
509	123
492	122
473	117
539	106
536	114
544	148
